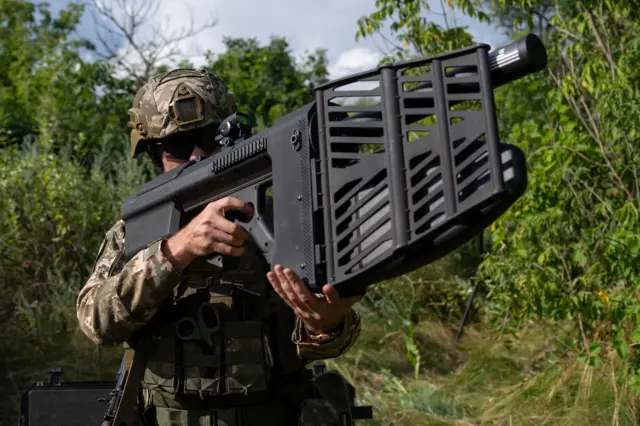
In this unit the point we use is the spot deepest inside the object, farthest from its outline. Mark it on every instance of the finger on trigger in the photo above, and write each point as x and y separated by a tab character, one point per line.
248	211
224	237
233	203
232	228
228	250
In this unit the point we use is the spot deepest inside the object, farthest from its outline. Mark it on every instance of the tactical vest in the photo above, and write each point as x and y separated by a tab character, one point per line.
224	336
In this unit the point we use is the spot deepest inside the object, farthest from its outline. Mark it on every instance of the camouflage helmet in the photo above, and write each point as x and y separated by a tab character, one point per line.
178	101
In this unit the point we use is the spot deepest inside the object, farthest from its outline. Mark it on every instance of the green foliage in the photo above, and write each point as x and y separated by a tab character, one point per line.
30	36
54	210
55	214
48	90
439	290
267	80
568	249
410	24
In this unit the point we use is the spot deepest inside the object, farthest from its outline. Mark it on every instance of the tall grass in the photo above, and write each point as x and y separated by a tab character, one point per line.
531	377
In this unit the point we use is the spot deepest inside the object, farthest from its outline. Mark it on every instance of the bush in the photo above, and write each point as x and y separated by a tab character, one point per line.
55	214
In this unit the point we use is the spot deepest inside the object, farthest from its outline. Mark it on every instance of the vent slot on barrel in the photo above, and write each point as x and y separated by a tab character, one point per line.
356	147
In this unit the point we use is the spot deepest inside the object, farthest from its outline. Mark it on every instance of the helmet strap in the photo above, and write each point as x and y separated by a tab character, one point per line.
156	159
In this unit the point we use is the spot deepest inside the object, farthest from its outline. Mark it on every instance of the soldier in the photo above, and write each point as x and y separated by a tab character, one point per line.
222	346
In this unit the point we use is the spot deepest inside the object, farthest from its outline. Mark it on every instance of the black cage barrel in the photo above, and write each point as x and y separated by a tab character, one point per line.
420	173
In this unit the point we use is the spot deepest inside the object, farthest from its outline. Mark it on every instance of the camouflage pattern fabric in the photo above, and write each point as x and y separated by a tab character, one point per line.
309	347
120	297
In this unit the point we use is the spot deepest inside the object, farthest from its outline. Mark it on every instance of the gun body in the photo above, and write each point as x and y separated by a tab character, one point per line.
363	192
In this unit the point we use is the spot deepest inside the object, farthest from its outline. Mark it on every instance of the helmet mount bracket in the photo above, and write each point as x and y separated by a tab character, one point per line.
186	106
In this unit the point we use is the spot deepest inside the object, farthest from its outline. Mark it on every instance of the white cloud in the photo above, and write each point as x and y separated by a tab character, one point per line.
354	60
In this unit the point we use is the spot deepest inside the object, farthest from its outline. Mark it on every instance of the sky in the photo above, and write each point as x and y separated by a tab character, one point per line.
307	25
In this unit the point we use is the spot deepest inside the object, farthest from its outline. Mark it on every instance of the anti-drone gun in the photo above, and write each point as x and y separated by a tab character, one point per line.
361	191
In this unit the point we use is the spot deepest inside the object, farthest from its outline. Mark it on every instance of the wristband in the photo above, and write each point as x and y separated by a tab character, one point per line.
327	334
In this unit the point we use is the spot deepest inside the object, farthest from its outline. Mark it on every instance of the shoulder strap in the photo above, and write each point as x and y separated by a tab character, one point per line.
135	359
125	397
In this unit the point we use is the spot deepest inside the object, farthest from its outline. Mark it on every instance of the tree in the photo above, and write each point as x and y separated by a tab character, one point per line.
36	48
535	16
570	246
412	26
133	43
267	80
48	91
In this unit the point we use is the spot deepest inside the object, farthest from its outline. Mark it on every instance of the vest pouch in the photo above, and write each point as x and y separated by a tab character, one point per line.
202	372
199	351
184	358
247	359
160	371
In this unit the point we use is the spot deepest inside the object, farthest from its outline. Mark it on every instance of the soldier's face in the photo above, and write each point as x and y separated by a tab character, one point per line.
170	162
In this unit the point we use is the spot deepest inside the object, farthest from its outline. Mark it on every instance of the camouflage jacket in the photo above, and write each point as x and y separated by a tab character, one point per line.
120	297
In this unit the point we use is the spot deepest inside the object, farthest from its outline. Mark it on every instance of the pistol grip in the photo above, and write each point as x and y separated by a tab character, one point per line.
217	259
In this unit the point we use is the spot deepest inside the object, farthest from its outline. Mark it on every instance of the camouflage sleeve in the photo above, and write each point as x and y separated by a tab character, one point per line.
119	297
311	348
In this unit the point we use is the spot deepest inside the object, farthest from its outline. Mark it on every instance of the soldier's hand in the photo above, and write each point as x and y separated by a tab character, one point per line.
210	232
317	312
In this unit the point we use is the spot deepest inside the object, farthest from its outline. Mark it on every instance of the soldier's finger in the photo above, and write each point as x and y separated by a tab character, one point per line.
228	204
227	250
277	286
230	228
331	293
286	286
302	294
302	314
223	237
